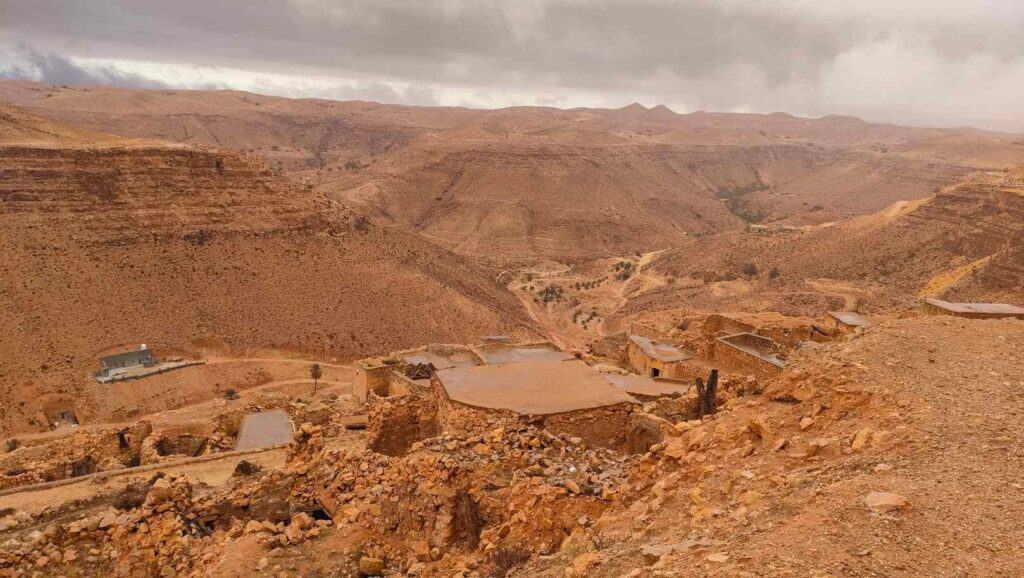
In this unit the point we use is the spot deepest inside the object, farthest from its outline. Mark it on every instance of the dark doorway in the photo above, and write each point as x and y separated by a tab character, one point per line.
655	372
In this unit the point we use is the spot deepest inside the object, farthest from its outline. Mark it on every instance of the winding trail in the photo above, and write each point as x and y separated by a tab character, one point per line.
622	299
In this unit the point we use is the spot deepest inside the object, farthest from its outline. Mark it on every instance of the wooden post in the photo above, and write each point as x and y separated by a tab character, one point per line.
709	393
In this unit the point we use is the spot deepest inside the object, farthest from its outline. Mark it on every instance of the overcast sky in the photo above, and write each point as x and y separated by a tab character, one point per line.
934	62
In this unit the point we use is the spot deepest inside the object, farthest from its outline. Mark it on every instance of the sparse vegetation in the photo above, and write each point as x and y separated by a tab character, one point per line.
551	293
774	273
230	394
504	559
11	445
198	237
733	197
749	270
624	270
246	468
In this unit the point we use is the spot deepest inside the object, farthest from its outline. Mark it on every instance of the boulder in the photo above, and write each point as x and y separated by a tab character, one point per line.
882	502
369	566
581	564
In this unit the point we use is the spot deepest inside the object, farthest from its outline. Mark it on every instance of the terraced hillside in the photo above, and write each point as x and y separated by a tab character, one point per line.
193	250
524	184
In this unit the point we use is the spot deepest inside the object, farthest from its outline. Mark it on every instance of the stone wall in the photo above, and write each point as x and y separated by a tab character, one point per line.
370	377
84	452
616	427
737	361
394	423
716	325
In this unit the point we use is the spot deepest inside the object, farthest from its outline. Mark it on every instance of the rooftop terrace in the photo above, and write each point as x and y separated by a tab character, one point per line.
539	388
532	353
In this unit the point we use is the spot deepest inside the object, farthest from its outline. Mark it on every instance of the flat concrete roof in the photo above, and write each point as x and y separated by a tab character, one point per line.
440	361
984	308
851	318
541	353
663	352
264	429
543	387
640	385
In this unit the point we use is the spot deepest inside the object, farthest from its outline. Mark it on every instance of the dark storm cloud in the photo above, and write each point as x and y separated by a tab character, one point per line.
798	55
595	43
30	64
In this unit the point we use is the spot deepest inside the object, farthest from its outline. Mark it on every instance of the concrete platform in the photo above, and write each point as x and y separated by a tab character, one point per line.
500	355
264	429
645	386
543	387
442	361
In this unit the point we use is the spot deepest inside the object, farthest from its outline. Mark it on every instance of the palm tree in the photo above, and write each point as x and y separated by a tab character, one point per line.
316	373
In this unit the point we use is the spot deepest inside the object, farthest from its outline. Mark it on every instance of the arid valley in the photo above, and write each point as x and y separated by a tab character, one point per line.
253	335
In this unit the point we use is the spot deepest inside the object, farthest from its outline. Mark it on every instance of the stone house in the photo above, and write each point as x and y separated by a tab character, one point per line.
655	359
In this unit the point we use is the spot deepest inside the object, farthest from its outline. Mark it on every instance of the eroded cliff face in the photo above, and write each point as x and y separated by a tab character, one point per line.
961	243
521	202
519	185
187	249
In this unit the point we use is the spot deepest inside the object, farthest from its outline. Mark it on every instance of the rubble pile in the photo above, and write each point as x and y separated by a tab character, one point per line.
461	495
83	452
90	450
165	536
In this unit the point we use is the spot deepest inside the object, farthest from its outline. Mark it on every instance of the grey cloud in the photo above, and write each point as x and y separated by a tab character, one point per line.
721	55
26	63
371	91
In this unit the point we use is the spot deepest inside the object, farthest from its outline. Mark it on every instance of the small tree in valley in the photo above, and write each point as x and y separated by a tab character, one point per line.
316	372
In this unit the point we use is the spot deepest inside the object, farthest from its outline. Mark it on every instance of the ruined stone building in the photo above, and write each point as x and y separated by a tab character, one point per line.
474	390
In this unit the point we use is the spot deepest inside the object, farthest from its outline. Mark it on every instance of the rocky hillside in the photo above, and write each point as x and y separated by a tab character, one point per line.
528	183
193	250
878	456
961	243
